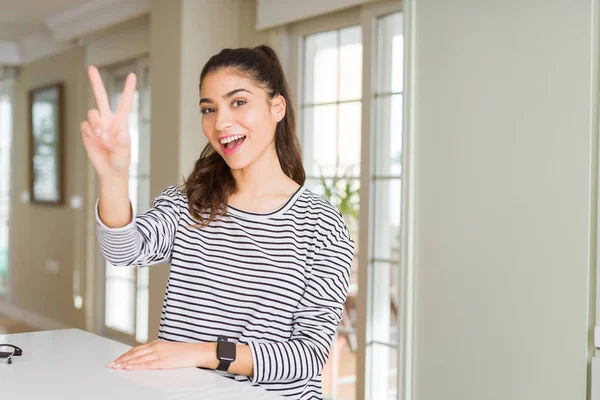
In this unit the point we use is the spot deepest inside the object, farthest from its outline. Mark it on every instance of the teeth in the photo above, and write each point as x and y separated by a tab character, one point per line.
231	138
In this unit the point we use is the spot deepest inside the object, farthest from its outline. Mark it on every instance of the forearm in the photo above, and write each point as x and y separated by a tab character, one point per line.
295	359
144	240
241	366
114	207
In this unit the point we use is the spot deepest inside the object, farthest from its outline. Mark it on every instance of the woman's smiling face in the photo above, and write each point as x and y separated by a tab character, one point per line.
238	118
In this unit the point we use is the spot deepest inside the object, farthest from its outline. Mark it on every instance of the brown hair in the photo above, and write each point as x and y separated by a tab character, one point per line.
210	184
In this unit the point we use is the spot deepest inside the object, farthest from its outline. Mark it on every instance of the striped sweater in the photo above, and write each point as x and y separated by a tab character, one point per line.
276	282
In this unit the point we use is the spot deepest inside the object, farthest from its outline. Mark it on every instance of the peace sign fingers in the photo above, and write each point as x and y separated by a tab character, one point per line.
109	148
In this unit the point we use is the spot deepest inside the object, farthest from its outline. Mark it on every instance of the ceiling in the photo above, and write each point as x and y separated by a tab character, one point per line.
21	18
30	29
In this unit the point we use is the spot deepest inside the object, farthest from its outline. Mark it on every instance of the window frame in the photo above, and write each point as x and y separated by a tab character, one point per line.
7	88
297	35
297	32
369	19
367	16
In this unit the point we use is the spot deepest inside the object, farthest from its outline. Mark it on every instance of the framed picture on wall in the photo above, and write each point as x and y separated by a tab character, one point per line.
45	144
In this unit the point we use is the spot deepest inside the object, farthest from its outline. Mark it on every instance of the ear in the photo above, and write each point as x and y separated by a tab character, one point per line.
278	106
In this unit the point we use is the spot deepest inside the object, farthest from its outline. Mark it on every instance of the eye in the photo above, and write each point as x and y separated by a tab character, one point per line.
207	110
238	103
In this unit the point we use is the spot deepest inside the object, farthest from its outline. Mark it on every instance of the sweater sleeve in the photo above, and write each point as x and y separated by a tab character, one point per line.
148	238
315	321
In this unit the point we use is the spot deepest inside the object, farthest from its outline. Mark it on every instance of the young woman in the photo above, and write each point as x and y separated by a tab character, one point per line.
260	265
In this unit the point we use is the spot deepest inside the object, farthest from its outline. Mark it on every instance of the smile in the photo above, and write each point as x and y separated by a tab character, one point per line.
231	144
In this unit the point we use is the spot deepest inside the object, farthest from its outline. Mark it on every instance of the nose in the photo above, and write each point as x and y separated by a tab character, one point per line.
224	120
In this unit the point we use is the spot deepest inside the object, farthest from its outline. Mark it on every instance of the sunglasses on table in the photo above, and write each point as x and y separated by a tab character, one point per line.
8	351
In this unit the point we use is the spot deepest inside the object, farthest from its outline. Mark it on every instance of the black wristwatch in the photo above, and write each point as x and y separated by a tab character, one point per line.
225	353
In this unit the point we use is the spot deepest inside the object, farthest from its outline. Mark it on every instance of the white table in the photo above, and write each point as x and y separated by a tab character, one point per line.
72	364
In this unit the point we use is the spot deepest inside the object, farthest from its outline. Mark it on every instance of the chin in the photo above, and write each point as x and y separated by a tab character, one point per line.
236	164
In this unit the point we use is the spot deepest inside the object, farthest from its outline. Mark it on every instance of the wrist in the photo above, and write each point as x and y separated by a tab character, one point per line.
208	355
114	181
114	207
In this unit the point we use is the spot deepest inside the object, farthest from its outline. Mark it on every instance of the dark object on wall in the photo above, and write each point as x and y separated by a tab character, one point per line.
46	126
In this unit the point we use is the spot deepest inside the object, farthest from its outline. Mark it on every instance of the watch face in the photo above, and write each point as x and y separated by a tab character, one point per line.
226	351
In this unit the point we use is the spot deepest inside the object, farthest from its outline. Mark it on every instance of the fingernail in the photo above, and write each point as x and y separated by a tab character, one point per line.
112	364
98	132
105	137
129	367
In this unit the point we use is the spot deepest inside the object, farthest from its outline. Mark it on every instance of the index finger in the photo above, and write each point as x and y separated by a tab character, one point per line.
99	91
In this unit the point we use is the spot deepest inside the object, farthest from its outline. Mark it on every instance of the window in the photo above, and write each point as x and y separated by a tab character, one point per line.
386	182
330	137
126	289
348	71
5	147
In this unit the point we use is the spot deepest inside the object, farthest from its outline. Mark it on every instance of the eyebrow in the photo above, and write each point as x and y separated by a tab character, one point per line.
227	95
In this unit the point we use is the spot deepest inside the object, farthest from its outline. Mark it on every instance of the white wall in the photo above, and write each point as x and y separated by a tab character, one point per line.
131	40
201	37
165	111
504	181
272	13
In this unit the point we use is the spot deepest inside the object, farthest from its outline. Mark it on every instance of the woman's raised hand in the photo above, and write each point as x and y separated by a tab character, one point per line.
106	134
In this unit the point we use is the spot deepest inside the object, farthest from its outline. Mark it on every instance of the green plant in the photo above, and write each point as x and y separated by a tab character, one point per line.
339	191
